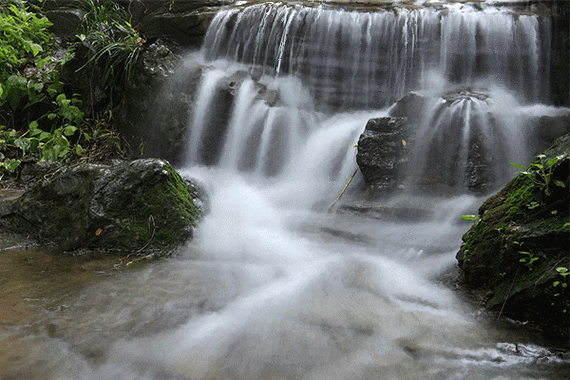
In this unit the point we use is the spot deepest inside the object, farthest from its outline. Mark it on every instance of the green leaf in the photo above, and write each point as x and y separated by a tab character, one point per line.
518	166
33	125
553	160
76	101
78	150
559	183
23	144
38	87
13	165
36	48
69	130
52	91
60	98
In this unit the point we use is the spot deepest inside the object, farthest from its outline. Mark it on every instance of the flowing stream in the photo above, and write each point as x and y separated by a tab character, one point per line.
277	284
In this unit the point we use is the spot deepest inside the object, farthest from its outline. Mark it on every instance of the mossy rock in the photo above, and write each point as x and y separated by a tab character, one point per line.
509	258
141	206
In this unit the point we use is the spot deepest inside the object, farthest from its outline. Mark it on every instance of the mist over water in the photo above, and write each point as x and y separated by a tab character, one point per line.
274	286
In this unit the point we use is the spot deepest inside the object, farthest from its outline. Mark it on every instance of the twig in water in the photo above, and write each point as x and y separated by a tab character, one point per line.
343	190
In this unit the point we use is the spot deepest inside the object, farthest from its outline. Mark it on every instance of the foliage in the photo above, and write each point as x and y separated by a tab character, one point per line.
53	145
114	46
38	120
23	34
540	173
562	285
26	72
39	117
474	218
528	259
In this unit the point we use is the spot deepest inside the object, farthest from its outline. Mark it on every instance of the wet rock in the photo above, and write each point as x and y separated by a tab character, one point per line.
137	206
168	114
411	106
383	152
183	22
66	21
143	121
509	258
547	128
382	212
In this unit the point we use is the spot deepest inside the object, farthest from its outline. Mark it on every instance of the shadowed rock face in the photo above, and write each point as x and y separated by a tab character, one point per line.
458	142
383	152
182	22
509	258
141	205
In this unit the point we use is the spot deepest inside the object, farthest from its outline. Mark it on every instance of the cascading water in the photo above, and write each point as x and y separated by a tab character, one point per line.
273	286
352	59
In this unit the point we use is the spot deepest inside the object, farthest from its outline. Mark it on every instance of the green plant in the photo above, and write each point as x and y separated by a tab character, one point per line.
562	271
39	117
474	218
114	45
540	173
24	71
528	259
562	285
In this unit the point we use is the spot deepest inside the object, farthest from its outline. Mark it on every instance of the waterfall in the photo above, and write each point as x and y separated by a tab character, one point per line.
274	286
351	59
275	73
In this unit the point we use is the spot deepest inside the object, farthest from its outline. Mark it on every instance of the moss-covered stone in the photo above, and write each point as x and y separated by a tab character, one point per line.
142	206
509	258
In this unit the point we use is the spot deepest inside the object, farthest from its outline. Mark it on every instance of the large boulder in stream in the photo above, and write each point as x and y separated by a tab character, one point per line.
453	142
138	206
382	153
515	258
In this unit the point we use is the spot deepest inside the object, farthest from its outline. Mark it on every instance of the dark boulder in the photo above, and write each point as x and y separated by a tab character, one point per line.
138	206
182	22
144	119
383	153
511	258
412	106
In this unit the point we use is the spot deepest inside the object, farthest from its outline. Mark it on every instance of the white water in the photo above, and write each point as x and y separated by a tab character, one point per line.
351	59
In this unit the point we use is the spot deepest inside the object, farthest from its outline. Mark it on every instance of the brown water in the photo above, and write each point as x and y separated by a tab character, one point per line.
35	285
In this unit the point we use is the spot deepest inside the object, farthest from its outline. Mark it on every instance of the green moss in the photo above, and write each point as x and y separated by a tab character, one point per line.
181	194
158	212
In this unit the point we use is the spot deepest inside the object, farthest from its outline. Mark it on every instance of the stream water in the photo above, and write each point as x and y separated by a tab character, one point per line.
276	284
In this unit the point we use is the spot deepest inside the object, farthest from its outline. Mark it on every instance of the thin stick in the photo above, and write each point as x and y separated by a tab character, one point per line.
343	190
